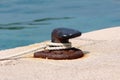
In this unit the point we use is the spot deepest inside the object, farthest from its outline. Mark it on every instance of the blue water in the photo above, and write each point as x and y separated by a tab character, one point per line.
24	22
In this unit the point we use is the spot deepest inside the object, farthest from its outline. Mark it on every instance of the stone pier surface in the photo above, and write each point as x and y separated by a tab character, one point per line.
101	60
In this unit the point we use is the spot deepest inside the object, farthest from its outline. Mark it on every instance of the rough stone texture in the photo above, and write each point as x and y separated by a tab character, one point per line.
100	62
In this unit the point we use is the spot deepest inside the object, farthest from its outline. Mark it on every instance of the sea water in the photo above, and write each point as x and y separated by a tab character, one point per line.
24	22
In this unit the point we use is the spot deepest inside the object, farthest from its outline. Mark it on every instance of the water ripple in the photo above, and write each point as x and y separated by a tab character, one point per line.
25	24
49	19
12	28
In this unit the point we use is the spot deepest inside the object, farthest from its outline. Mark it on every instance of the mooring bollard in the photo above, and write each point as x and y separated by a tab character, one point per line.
60	47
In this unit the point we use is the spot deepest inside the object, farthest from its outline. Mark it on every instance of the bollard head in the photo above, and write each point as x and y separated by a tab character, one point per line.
62	35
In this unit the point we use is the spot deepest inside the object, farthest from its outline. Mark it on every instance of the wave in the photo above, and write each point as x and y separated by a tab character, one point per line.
29	24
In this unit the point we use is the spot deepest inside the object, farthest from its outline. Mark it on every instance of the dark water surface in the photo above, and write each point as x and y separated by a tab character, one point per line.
24	22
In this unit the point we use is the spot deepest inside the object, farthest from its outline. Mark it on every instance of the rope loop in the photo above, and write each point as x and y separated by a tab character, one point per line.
57	46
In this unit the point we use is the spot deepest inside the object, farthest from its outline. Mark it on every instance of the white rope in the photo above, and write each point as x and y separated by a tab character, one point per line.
10	56
58	46
49	46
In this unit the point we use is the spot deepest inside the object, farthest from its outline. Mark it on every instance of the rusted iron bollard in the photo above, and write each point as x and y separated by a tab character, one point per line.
61	35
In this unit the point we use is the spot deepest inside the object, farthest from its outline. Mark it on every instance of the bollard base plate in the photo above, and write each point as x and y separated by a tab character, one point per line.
71	53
